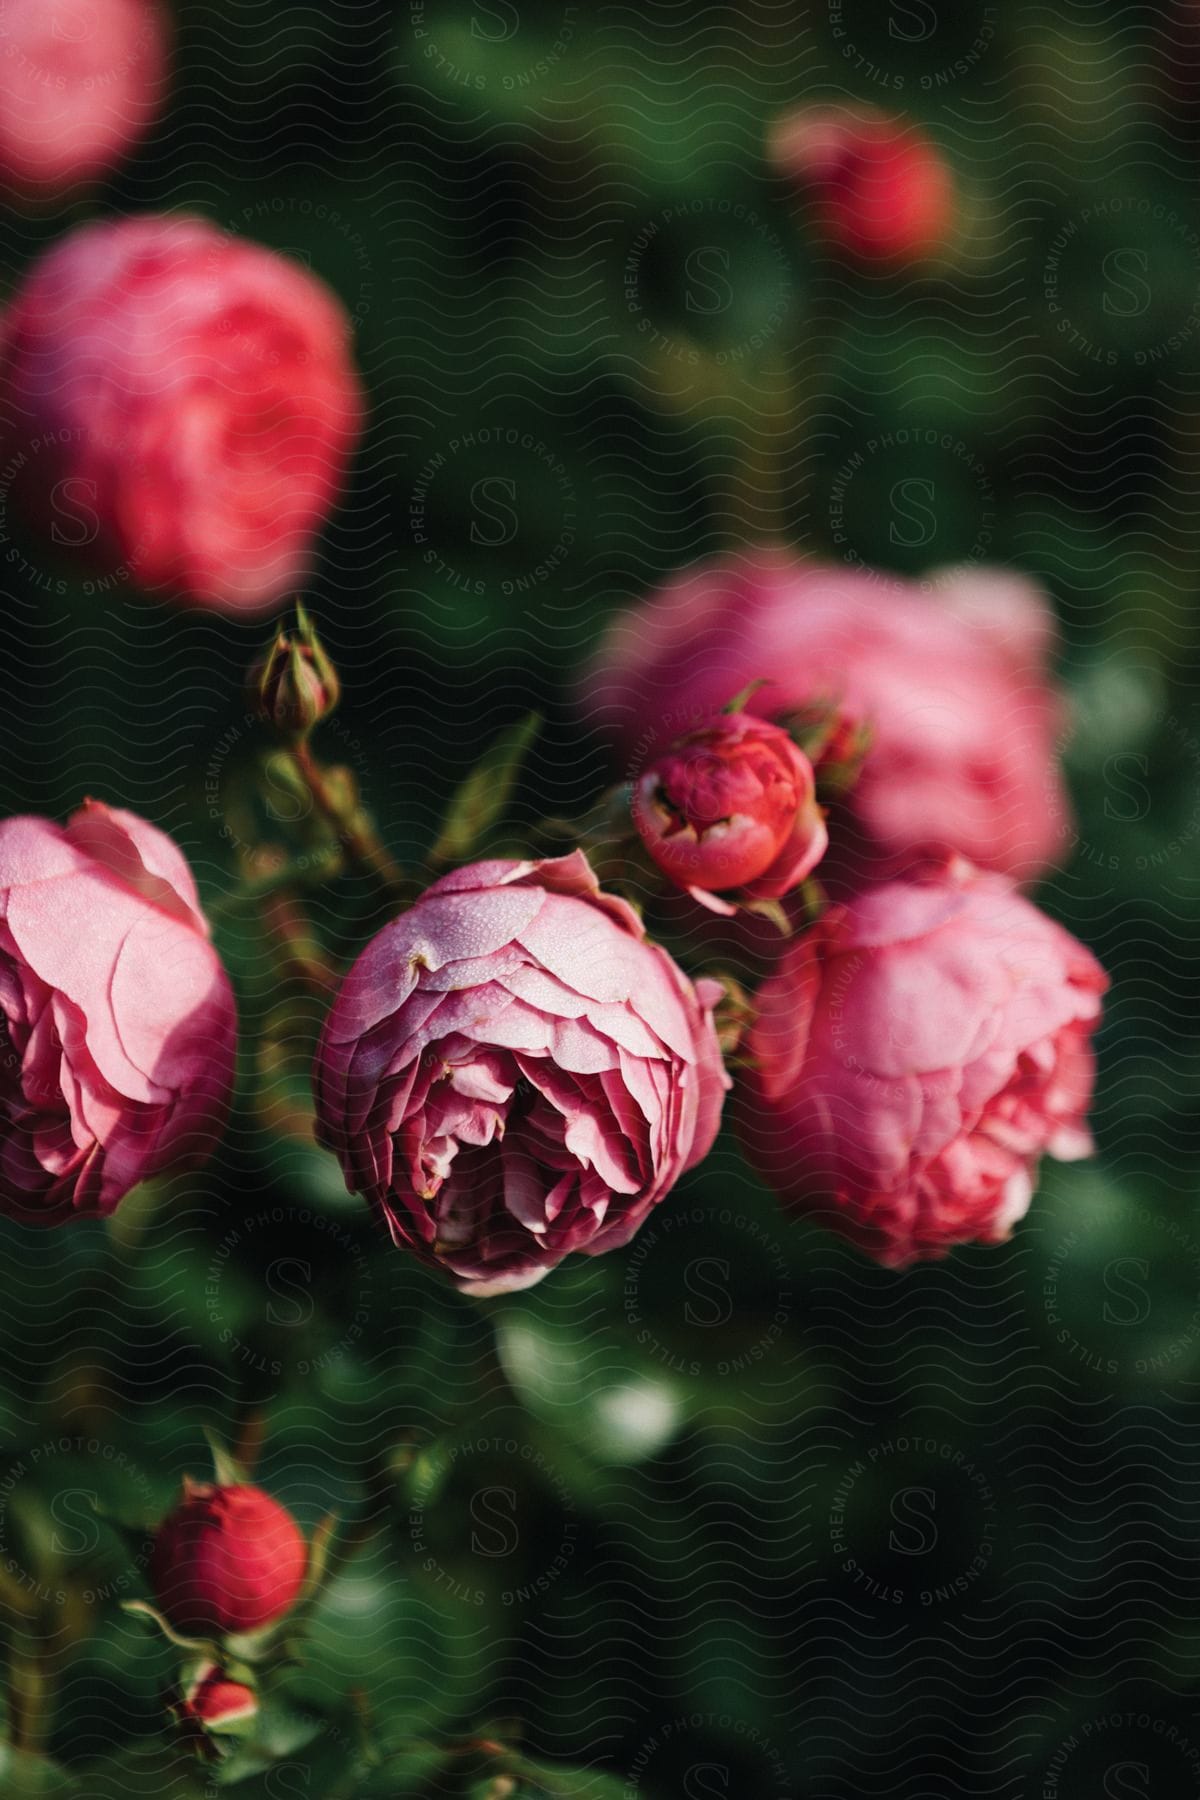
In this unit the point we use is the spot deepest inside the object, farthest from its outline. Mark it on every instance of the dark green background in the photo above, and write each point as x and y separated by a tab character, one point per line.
698	1435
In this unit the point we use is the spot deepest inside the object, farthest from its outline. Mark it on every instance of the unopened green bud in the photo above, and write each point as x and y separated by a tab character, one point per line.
295	685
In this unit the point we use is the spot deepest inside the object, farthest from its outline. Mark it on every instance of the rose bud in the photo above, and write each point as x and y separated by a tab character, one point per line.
212	1701
915	1054
194	402
879	189
949	682
228	1559
512	1072
295	686
119	1027
731	807
80	82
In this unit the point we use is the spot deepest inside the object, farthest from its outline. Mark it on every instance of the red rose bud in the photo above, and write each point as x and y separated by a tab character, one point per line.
732	808
228	1559
295	686
880	191
212	1701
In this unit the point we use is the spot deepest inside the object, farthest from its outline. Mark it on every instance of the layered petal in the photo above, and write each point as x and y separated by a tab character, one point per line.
511	1072
906	1081
118	1018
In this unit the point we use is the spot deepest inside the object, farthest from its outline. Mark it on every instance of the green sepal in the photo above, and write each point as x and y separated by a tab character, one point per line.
204	1647
227	1470
774	910
744	696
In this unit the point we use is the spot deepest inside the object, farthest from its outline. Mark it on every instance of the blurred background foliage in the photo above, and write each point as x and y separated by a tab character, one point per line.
732	1512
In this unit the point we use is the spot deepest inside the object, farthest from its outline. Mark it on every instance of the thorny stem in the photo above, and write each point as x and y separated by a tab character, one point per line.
354	827
301	955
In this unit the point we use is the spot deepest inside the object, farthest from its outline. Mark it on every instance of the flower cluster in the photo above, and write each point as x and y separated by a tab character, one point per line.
514	1069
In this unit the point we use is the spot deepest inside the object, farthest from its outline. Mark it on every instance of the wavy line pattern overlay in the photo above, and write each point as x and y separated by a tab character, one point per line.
732	1510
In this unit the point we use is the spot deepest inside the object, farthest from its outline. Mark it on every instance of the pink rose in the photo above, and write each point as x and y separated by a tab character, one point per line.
879	189
118	1018
915	1054
731	806
186	404
511	1072
951	682
80	82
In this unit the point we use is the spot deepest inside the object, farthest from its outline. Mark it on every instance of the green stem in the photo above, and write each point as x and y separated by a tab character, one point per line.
301	956
355	829
31	1690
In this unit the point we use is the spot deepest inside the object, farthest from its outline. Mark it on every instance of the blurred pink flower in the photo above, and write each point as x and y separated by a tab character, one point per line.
80	82
511	1072
190	403
951	683
731	807
118	1019
914	1056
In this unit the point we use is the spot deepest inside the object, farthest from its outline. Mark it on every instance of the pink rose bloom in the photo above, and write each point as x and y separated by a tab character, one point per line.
878	187
186	405
118	1018
512	1072
951	681
731	806
80	82
915	1054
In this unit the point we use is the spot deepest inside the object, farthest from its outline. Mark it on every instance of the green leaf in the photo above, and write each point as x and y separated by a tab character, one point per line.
481	799
26	1777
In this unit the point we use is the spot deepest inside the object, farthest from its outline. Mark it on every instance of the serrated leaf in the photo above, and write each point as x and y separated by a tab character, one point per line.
480	801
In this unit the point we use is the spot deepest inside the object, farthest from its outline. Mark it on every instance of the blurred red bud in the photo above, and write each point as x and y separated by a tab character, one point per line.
879	189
